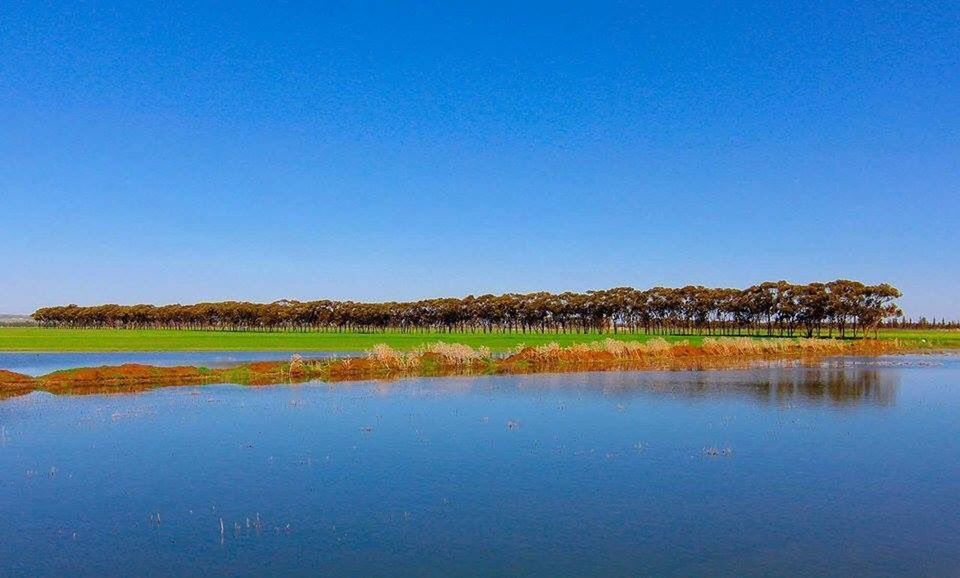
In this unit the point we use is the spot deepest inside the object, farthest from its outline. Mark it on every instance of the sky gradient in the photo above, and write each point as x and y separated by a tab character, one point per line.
174	153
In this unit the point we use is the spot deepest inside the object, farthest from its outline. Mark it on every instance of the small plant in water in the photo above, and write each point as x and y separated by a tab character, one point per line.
297	366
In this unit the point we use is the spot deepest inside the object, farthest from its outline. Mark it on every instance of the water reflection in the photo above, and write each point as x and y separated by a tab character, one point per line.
836	384
841	387
843	383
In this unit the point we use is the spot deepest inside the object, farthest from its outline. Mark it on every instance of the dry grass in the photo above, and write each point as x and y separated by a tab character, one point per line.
748	346
297	365
383	361
606	350
387	356
612	351
443	354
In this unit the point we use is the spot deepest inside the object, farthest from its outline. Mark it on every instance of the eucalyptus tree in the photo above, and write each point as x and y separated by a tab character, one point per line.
775	307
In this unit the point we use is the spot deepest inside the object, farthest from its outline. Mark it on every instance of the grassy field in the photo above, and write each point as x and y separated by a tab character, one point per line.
35	339
934	338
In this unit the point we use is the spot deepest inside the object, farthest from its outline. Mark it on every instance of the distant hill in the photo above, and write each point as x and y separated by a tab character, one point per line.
14	320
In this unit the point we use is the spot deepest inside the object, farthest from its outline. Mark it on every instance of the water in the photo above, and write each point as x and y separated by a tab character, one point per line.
33	363
849	468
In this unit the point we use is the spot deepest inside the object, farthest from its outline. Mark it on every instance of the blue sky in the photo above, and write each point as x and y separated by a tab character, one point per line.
174	153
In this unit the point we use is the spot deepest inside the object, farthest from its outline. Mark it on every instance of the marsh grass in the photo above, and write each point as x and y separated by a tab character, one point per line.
439	354
747	346
611	351
441	358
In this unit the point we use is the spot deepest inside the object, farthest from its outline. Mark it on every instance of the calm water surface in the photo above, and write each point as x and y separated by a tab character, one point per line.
849	468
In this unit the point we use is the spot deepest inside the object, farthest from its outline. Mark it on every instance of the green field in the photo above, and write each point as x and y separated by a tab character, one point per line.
934	338
36	339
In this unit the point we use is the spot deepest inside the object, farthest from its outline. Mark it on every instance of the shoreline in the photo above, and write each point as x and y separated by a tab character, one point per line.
444	360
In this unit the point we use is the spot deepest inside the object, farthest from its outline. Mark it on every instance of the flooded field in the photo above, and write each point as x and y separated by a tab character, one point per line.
849	467
35	364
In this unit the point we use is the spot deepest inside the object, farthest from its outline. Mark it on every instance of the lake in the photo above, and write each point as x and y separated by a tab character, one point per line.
847	467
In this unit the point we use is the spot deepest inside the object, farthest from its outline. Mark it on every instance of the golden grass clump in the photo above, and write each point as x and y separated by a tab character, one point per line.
731	346
390	357
659	346
633	349
453	353
597	351
297	366
612	350
446	354
544	352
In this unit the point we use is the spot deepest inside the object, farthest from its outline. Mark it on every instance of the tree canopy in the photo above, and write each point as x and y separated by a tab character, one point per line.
772	308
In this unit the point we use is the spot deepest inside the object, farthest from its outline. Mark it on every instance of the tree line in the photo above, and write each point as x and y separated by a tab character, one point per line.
773	308
921	323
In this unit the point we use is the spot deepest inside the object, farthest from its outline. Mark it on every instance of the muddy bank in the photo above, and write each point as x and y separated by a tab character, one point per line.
441	359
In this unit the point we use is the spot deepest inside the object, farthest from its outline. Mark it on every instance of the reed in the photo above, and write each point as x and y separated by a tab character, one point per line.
612	351
443	354
747	346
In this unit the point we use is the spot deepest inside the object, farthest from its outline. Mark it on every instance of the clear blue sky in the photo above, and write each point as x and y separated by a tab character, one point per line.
170	153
